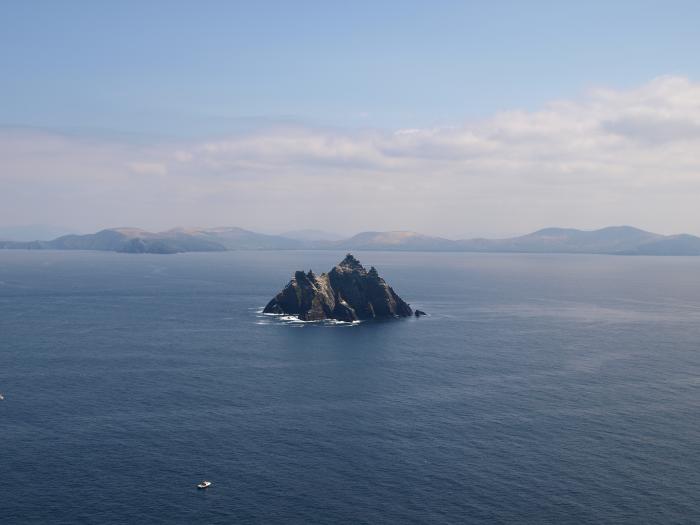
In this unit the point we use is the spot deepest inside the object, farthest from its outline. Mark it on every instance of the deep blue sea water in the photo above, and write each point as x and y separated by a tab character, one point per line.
541	389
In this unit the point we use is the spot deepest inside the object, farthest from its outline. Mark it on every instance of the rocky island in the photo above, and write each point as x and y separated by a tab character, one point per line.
348	292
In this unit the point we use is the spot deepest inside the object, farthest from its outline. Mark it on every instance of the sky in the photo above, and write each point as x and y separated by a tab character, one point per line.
457	119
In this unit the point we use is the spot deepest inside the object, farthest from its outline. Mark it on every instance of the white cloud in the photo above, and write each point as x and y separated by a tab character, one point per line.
609	157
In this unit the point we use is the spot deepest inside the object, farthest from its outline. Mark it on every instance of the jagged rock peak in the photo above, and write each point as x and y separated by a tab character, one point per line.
347	293
351	262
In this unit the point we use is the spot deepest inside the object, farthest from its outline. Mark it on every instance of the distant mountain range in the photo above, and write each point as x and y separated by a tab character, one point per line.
28	232
312	235
616	240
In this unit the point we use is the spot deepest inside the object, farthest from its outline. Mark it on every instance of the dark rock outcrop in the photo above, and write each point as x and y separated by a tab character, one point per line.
347	293
419	313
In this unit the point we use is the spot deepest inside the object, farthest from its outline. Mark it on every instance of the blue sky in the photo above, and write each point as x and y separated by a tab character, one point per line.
199	68
450	118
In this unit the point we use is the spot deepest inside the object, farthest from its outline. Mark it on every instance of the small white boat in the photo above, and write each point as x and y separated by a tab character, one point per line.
204	484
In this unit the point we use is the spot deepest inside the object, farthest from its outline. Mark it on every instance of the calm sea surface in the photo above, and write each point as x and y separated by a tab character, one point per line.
541	389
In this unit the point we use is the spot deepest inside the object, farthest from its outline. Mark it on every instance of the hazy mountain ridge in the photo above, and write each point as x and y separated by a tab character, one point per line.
30	232
614	240
394	240
310	235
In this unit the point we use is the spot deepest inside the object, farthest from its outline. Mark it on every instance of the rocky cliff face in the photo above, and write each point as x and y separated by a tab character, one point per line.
347	293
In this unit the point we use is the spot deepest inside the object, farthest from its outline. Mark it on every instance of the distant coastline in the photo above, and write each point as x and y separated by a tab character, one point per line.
614	240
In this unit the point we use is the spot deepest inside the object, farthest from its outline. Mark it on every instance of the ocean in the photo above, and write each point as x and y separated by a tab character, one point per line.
540	389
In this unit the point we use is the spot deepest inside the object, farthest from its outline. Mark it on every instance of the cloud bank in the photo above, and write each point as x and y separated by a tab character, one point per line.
609	157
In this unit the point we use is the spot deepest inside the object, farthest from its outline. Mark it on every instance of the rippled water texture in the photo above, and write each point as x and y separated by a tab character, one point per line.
540	389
